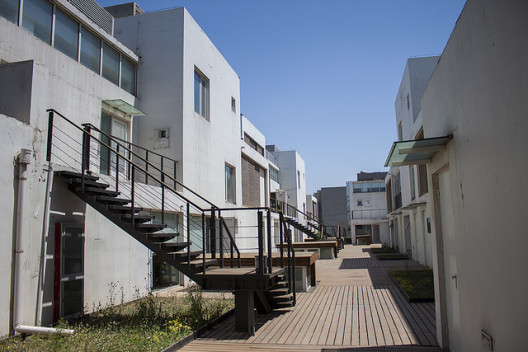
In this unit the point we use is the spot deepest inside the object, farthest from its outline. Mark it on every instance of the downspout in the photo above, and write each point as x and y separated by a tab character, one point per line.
45	225
23	159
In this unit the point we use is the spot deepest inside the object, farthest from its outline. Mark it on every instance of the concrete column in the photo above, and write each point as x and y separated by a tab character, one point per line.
245	311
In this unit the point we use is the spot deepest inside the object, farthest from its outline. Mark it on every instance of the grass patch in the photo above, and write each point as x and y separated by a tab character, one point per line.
149	324
383	250
418	284
392	256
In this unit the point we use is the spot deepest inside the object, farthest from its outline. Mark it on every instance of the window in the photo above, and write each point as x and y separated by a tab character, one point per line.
110	64
9	10
274	174
90	50
369	187
201	95
253	144
36	18
128	76
408	102
359	203
298	179
422	171
233	105
230	195
413	192
66	38
400	133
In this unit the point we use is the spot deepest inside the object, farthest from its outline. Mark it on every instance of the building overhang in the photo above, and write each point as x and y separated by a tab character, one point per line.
413	205
124	107
416	152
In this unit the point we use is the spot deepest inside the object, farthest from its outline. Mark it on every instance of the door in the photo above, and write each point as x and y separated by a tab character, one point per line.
447	226
119	130
69	270
407	234
108	159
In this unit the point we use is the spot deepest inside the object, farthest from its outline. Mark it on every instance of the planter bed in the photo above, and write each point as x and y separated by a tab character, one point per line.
415	285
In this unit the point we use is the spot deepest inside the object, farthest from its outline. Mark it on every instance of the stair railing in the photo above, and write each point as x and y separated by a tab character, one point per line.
136	163
115	146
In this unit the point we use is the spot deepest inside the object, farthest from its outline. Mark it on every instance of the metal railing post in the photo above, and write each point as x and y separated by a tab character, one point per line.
281	233
132	215
293	274
221	239
212	233
86	153
268	229
50	136
189	233
117	170
204	239
260	244
146	167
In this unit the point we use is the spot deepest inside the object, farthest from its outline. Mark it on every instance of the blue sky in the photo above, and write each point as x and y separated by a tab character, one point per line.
321	77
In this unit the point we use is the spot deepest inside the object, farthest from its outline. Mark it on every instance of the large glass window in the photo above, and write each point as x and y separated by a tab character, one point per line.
110	64
274	174
9	10
128	76
230	184
201	95
36	18
66	37
90	50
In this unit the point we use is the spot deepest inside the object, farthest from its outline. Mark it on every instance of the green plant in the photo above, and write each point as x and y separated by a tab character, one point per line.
418	284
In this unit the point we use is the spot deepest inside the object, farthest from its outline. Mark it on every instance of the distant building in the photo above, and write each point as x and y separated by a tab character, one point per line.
367	208
333	210
407	184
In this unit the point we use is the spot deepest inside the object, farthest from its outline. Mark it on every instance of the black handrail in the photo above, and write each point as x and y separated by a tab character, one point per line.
115	145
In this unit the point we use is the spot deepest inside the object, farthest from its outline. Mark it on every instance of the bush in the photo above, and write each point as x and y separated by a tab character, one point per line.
418	284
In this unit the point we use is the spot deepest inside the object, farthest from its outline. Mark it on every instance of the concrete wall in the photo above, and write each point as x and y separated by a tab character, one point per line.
52	80
333	206
409	116
478	93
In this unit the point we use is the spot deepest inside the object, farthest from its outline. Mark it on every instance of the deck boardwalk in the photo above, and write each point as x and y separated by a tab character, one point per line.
354	307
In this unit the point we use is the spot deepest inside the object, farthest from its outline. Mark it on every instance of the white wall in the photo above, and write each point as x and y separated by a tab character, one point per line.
478	93
61	83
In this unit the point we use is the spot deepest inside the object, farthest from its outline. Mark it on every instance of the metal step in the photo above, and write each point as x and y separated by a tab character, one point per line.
118	208
172	246
198	263
72	174
87	183
150	227
162	236
183	255
276	292
282	298
280	305
111	200
97	191
137	217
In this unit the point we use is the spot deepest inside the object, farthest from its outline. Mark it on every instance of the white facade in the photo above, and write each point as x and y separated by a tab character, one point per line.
368	211
477	93
408	213
37	77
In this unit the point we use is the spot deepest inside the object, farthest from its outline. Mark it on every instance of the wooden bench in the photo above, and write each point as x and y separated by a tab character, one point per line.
326	249
304	264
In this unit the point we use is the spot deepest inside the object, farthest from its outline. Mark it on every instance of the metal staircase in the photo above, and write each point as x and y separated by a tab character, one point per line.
208	253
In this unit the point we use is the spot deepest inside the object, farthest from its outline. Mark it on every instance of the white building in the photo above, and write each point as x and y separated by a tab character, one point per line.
63	257
474	122
292	180
367	204
407	184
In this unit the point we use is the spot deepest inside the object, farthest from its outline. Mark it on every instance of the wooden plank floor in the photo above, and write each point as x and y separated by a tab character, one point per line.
355	307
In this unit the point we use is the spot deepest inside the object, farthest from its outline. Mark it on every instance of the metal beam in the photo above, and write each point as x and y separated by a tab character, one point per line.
422	150
411	162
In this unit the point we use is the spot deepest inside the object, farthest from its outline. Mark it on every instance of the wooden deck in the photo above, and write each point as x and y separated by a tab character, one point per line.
355	305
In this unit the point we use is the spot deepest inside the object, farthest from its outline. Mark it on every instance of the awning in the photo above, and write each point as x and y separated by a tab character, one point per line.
415	152
125	107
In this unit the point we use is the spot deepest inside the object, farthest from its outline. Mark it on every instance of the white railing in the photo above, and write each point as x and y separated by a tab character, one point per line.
369	214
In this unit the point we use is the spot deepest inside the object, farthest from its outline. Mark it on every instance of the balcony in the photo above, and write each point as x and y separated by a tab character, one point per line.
369	214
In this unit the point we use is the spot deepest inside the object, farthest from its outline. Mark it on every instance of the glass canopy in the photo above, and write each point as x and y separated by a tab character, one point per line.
125	107
414	152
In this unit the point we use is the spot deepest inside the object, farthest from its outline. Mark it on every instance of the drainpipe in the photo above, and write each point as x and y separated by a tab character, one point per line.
23	159
45	227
